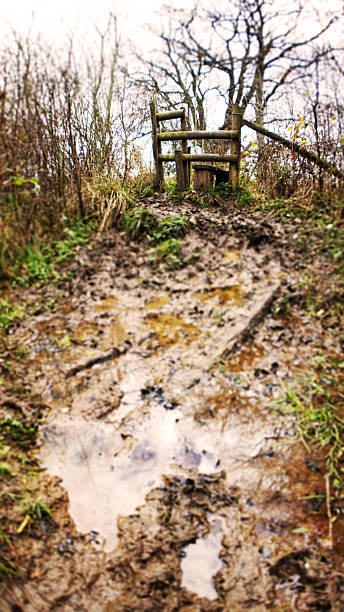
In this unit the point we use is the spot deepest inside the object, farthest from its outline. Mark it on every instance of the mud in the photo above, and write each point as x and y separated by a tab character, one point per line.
186	489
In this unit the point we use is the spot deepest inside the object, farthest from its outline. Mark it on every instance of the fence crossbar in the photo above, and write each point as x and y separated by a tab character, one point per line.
296	148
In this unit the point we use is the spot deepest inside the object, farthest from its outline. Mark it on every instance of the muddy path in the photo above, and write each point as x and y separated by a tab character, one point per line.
179	487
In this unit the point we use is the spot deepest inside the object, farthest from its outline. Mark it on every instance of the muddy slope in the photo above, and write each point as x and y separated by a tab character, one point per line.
180	487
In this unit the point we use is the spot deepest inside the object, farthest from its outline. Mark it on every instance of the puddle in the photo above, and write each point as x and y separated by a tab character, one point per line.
105	304
108	468
157	303
170	329
108	473
222	295
231	255
138	402
201	561
123	421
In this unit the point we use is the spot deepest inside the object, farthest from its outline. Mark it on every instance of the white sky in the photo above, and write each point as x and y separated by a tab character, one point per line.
56	17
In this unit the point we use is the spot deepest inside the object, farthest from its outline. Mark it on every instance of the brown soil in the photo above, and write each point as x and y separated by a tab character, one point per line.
172	483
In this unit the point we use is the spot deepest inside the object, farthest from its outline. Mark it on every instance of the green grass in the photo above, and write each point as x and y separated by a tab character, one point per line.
40	264
13	429
170	228
168	252
139	223
317	402
10	314
37	510
142	223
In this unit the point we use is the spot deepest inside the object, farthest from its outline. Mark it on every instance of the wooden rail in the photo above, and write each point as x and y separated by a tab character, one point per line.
183	158
293	146
199	135
214	157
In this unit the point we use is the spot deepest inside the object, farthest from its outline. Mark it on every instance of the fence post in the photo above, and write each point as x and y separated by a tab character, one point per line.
158	167
235	146
185	150
180	170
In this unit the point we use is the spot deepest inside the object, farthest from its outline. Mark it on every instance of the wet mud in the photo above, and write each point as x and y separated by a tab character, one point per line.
186	489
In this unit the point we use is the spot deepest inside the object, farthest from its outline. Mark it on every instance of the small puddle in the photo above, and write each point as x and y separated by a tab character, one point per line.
170	329
105	304
231	255
222	295
201	561
157	303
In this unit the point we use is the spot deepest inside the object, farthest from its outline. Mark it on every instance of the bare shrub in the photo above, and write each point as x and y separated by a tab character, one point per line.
63	124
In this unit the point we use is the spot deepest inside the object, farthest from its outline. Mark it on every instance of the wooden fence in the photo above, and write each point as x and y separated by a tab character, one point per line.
183	158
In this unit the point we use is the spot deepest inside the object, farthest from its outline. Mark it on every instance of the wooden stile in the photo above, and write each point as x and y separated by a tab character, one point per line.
203	177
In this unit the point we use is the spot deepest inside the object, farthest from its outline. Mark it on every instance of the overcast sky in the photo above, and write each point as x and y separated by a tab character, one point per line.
56	17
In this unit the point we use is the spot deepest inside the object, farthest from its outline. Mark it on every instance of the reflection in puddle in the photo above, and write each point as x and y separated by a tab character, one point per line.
108	474
202	561
108	469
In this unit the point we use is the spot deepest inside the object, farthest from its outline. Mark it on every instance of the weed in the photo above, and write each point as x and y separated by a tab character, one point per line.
219	365
140	223
38	264
170	227
143	222
37	510
148	191
21	352
243	196
168	252
6	568
16	430
10	314
194	256
281	306
224	190
65	342
5	470
317	401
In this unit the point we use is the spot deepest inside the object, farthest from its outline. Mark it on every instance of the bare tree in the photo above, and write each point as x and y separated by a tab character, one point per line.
250	51
174	75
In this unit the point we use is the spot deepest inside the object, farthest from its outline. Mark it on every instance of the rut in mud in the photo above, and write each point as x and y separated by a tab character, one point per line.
186	489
